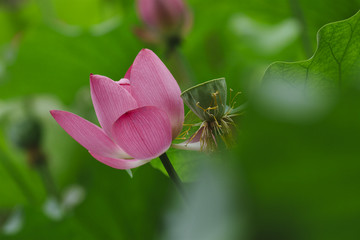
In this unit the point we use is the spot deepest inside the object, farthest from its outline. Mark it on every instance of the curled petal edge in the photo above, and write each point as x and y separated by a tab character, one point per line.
119	163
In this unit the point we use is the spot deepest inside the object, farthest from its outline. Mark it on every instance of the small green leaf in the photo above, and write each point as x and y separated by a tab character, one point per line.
207	100
129	172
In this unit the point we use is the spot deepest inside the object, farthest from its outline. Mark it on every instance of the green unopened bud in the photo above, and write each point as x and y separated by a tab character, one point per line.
207	100
25	133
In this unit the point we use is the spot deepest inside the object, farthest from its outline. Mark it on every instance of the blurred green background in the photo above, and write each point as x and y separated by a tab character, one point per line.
288	177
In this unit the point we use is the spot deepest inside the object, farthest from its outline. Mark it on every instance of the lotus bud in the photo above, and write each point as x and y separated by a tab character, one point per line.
26	134
165	20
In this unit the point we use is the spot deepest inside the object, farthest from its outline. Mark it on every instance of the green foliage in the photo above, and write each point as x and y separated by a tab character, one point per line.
302	179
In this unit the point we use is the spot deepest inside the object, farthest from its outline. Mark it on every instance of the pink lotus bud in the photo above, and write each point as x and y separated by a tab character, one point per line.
139	115
165	18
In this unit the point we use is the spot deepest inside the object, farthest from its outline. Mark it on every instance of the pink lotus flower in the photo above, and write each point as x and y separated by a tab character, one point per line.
163	19
140	115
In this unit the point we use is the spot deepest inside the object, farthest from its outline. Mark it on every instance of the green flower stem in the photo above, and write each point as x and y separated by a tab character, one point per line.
39	161
48	181
172	174
17	177
179	67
